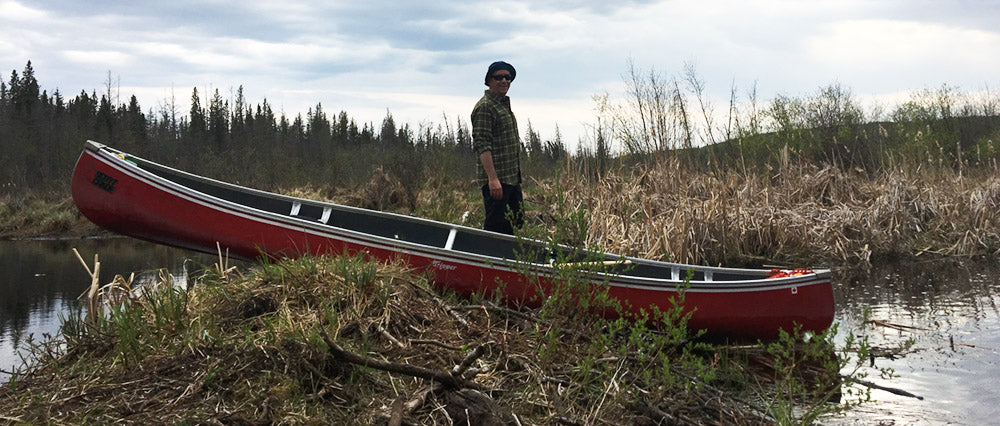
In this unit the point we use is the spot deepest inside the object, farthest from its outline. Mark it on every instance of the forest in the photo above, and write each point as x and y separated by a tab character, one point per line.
42	133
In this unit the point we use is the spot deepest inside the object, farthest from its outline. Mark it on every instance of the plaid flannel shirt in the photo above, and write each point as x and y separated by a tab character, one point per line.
494	129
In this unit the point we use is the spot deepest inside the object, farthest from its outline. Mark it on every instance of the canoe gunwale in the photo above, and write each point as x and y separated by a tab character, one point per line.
115	159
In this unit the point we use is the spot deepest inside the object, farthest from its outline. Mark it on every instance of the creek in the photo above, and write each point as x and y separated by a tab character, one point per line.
935	324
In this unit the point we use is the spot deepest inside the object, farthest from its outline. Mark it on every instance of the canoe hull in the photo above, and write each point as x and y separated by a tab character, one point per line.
131	202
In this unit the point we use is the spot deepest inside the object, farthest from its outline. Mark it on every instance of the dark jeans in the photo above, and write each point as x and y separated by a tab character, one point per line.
504	214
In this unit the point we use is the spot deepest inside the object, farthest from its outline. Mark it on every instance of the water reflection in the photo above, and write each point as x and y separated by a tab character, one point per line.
41	280
937	325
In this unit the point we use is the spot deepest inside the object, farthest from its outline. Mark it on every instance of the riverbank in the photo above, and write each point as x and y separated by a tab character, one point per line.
344	341
43	216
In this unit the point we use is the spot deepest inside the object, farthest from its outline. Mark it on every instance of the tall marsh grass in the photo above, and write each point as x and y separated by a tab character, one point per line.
799	213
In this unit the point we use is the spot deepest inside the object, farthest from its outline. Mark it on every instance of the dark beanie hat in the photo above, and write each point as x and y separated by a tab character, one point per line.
500	65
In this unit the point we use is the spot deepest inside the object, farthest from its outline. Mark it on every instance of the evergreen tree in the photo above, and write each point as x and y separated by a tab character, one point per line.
554	149
105	121
351	132
367	135
265	130
135	123
388	136
534	142
463	137
5	127
218	122
4	100
297	133
197	127
318	133
24	91
340	131
241	117
284	130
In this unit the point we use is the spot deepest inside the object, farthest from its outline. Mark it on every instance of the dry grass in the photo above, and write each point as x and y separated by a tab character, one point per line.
801	214
41	216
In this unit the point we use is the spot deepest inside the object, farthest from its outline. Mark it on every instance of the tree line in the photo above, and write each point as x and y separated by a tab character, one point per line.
227	137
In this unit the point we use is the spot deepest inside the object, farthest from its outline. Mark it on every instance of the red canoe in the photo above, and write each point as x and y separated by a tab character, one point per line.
145	200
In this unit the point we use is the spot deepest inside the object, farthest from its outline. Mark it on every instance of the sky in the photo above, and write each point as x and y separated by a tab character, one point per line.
424	62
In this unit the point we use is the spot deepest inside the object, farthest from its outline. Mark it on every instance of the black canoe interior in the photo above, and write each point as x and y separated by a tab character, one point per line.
427	233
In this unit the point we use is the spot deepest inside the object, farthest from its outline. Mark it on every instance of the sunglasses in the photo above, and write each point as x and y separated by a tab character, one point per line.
502	77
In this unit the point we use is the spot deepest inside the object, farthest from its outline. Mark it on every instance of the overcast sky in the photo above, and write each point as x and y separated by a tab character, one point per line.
425	60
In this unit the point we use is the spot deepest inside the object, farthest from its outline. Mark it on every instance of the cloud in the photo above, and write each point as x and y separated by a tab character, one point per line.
12	11
424	59
102	57
880	53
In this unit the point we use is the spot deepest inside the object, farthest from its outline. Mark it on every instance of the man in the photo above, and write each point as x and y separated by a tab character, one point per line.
495	139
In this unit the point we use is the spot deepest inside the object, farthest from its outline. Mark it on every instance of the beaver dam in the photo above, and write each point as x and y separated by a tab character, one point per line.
341	340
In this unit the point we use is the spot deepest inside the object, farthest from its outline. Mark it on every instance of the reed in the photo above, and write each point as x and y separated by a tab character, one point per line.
795	213
799	213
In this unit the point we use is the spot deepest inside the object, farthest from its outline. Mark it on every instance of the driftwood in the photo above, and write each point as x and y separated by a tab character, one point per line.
968	345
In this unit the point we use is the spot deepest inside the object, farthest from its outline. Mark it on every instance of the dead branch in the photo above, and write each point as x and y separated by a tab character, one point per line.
95	277
901	327
658	415
467	362
896	391
396	418
448	380
495	308
435	343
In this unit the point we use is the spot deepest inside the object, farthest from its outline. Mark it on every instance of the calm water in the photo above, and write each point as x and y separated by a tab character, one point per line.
41	280
949	311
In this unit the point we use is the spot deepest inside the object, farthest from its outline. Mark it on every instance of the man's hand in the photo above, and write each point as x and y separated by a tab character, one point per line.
496	190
